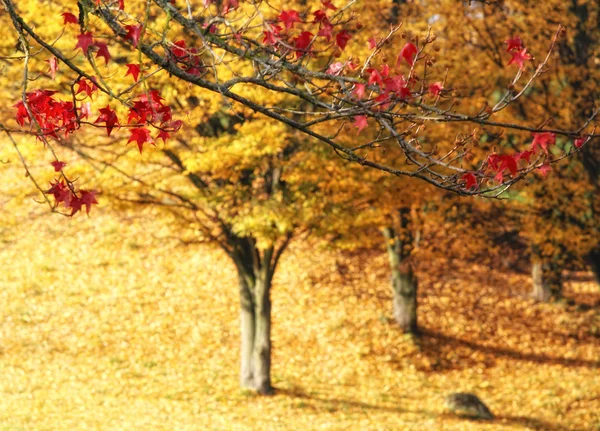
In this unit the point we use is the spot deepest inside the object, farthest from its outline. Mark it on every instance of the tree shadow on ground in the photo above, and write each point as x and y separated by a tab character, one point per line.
446	352
522	421
323	402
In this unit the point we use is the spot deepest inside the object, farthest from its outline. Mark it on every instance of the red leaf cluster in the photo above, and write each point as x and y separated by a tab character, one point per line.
65	194
51	115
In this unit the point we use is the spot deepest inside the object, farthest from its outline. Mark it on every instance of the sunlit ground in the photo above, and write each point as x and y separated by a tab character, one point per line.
105	325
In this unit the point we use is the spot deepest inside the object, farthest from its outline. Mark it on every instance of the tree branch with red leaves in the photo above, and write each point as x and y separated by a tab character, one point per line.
299	55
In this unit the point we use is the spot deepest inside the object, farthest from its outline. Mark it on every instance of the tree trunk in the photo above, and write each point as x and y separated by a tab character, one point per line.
255	273
595	263
261	355
547	281
404	282
247	331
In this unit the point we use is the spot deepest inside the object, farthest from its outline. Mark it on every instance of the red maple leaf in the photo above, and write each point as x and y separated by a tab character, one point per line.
58	165
86	86
360	122
164	135
543	141
436	88
109	118
342	38
133	33
544	169
134	71
271	38
359	91
525	155
580	141
374	77
328	5
61	193
320	16
289	18
407	53
88	198
514	44
372	42
53	62
84	41
470	180
302	43
519	58
140	135
102	51
326	31
69	18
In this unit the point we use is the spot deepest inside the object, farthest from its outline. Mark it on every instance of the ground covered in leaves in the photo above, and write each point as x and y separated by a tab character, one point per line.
108	325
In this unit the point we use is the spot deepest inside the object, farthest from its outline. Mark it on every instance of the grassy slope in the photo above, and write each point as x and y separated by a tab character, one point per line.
105	327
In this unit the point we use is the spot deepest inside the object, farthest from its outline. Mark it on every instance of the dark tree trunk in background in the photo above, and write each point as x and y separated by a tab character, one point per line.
399	243
255	273
579	52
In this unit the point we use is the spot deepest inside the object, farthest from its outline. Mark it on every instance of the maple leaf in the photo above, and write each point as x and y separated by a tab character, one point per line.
436	88
109	118
88	198
372	42
525	155
133	33
407	53
544	169
320	17
360	122
134	71
69	18
335	68
514	44
580	141
289	18
519	58
85	110
164	135
270	38
75	205
140	135
53	62
374	77
102	51
359	91
302	42
328	4
84	41
342	38
543	141
58	165
86	86
326	31
470	180
61	193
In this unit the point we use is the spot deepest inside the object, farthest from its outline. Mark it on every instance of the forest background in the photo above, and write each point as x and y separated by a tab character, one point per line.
378	295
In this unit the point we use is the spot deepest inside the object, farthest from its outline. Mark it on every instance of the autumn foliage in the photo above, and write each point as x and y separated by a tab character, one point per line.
356	207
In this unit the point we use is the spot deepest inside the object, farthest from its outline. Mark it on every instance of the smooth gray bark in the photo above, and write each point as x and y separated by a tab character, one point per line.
261	355
255	274
247	320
